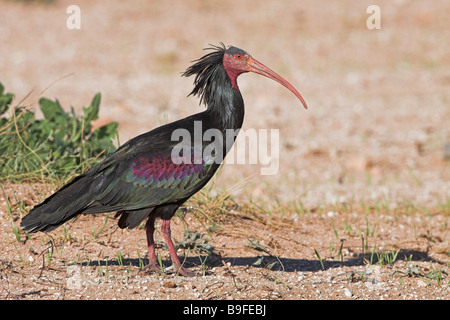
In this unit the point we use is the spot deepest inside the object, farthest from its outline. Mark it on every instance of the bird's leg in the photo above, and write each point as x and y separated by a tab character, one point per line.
165	229
150	230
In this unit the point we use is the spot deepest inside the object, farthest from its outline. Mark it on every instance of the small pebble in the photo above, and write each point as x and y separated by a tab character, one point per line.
348	293
169	284
331	214
421	283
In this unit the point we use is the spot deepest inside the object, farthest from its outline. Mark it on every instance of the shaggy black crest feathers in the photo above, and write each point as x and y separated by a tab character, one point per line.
210	76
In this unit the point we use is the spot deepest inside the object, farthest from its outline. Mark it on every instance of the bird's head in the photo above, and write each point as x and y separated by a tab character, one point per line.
237	61
208	71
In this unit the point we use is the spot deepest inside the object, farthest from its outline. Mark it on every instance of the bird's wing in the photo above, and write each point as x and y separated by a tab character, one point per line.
147	180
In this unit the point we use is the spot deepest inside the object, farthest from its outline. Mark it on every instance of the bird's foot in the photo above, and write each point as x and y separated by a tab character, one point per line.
152	267
184	272
181	271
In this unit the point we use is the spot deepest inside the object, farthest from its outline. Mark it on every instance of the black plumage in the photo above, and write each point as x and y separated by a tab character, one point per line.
140	180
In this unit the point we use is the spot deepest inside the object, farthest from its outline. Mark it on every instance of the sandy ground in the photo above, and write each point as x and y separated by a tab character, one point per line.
369	150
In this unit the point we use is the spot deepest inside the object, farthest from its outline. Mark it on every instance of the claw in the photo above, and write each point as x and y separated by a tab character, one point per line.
152	268
184	272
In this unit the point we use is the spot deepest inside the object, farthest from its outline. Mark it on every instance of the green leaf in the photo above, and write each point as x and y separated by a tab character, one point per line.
107	131
51	109
103	138
5	99
91	112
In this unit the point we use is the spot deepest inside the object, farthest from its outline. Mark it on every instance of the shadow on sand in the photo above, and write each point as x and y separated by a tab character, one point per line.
271	262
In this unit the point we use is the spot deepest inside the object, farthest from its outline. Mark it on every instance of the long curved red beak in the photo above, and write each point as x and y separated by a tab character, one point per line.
259	68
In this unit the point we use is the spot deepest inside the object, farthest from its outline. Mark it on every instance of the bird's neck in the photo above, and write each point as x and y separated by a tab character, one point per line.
229	114
227	118
225	106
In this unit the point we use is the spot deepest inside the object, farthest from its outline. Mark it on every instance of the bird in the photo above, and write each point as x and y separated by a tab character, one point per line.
151	176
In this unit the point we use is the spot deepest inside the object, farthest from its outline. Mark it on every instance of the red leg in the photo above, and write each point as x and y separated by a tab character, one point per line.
150	230
165	229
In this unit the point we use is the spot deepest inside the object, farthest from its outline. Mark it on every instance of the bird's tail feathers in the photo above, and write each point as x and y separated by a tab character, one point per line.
132	218
63	205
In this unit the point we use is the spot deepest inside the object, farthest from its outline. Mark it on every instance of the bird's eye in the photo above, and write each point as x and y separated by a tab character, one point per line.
239	56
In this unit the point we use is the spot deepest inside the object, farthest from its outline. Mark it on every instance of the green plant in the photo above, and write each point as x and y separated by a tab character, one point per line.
203	263
372	254
61	144
416	271
97	233
255	244
141	262
331	247
387	258
119	258
195	241
161	265
320	259
340	254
